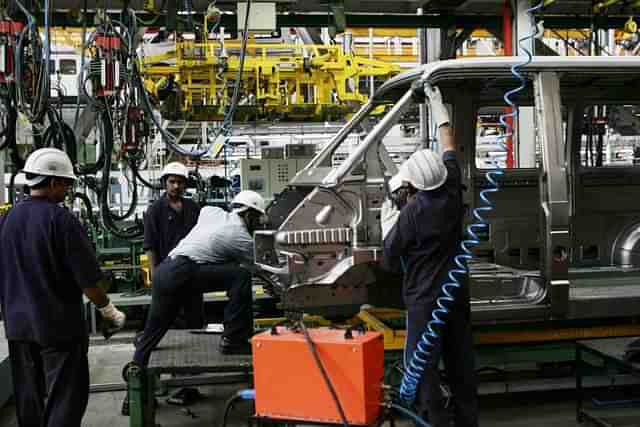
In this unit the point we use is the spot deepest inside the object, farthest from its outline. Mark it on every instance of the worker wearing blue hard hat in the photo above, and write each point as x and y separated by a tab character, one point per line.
422	232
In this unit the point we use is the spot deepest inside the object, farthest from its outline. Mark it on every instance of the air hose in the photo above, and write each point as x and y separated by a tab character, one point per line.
247	394
422	354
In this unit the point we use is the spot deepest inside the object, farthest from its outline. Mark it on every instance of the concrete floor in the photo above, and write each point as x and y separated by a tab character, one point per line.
545	409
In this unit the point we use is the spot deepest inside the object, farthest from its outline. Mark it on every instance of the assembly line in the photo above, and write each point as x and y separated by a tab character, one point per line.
342	212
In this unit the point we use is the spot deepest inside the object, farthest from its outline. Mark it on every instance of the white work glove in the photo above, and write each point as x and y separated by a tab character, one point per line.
388	217
114	320
439	112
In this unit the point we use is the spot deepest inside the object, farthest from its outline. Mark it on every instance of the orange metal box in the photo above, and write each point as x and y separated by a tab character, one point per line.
289	384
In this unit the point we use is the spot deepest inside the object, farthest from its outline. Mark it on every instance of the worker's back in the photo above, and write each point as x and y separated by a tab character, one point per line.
46	259
218	237
435	217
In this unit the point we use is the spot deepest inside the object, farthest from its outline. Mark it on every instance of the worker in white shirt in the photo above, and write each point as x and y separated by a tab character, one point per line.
216	255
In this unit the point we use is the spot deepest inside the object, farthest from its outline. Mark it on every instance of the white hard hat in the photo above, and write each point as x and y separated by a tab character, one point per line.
248	199
425	170
46	162
175	168
395	183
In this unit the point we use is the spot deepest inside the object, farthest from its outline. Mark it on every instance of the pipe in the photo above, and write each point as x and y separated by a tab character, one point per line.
423	58
507	38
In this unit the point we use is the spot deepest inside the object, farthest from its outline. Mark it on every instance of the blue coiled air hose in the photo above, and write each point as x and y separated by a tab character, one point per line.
421	356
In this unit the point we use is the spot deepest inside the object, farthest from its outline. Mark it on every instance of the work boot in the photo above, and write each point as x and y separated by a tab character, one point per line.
234	346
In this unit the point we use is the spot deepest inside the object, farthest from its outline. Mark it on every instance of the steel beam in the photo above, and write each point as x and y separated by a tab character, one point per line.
554	192
229	22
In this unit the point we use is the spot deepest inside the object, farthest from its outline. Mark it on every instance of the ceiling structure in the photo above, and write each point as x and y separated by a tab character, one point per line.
391	13
459	7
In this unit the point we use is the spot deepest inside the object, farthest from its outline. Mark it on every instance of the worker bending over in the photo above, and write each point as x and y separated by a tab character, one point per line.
216	255
47	264
167	221
423	239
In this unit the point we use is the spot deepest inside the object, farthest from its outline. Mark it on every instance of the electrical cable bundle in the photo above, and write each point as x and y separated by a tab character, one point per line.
108	217
39	75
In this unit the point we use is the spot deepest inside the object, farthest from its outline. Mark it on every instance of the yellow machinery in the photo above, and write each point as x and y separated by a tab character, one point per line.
279	81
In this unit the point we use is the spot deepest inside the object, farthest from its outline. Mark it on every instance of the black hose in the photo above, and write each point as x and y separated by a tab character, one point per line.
325	376
10	132
4	134
415	417
227	409
12	187
60	135
136	171
76	115
88	207
248	394
107	216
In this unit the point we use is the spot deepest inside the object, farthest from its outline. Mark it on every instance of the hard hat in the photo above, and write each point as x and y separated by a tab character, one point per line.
175	168
46	162
248	199
425	170
395	183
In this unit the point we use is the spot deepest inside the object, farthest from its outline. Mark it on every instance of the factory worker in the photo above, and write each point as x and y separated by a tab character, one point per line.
48	263
216	255
422	240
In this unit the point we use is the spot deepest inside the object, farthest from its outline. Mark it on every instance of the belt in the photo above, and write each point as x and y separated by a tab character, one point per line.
187	258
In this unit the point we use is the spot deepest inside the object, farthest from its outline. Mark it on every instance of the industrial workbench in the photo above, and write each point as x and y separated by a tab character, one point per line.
604	356
125	300
181	352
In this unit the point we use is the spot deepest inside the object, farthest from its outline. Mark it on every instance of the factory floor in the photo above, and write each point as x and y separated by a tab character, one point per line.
548	409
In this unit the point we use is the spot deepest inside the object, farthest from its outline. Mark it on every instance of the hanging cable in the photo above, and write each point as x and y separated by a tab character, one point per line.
422	355
88	207
325	376
82	61
227	122
40	75
109	218
60	135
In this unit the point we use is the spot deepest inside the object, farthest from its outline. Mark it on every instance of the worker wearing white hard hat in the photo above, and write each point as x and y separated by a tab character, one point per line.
48	264
422	240
217	255
169	218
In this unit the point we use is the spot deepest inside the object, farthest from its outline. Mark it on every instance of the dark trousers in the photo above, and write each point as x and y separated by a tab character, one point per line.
455	348
51	384
177	282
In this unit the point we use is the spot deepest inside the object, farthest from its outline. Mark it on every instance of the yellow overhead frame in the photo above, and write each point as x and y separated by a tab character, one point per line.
282	81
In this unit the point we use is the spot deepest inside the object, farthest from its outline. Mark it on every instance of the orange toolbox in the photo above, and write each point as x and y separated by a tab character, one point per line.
289	385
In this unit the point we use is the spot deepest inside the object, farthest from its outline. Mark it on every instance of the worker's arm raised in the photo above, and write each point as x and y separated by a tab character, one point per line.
447	141
441	117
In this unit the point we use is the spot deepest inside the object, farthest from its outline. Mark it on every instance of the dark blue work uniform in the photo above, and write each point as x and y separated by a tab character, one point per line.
427	238
163	229
47	260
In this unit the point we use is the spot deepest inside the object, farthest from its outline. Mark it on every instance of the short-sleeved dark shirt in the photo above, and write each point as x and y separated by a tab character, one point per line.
164	227
46	260
427	237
